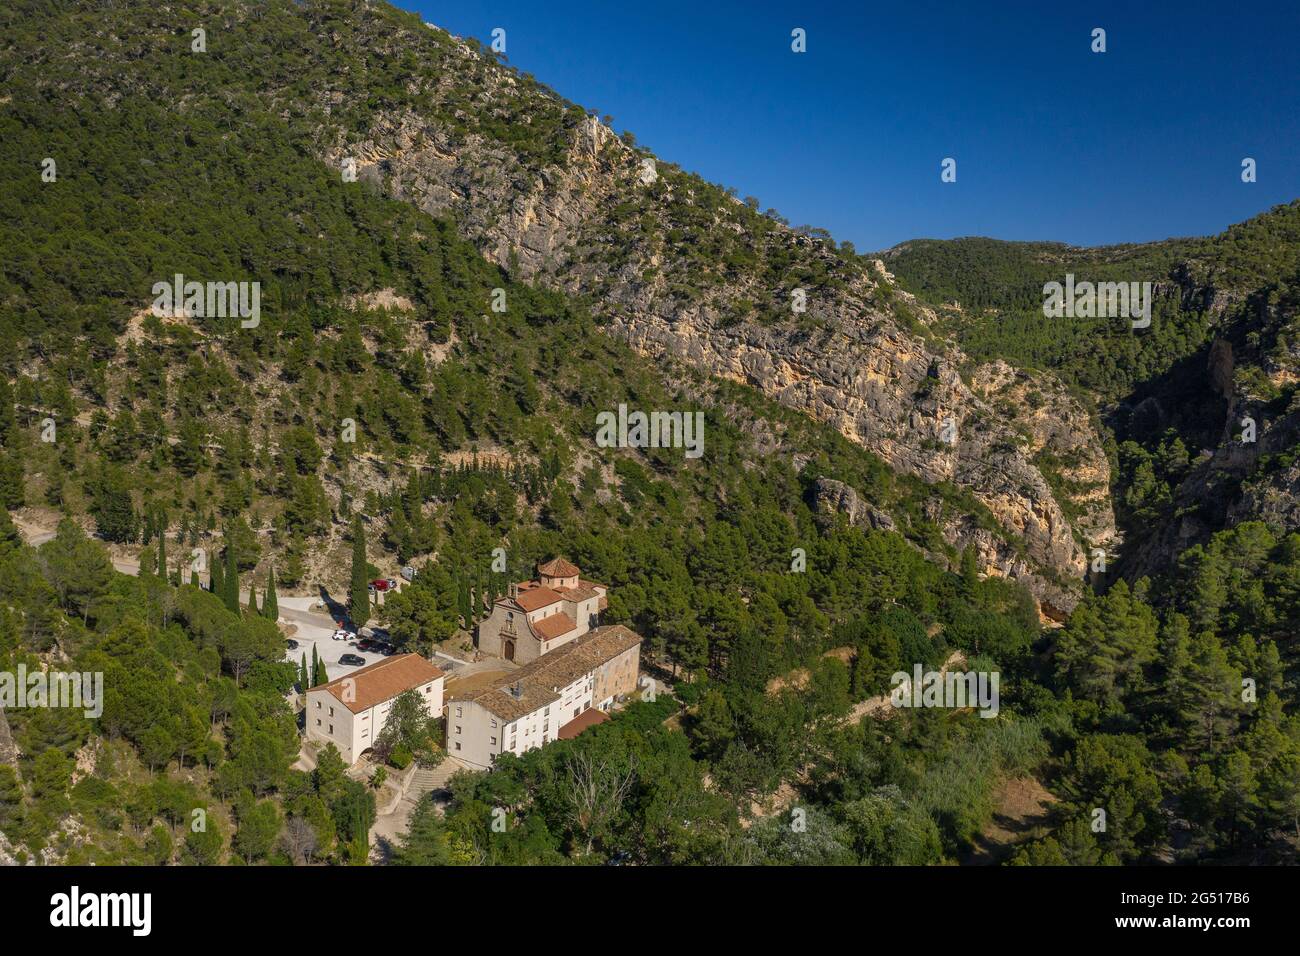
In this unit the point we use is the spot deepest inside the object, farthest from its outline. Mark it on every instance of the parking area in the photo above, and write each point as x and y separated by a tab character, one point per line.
329	650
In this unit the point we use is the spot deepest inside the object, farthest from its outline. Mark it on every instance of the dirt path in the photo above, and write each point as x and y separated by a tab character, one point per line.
882	707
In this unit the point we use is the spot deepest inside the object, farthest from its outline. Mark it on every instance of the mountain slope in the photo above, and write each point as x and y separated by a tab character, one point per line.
474	431
672	265
1221	352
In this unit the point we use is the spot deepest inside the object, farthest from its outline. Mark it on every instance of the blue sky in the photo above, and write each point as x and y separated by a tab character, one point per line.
1052	141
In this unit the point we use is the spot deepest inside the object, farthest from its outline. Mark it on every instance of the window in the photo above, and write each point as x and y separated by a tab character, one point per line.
458	745
317	721
577	711
331	711
331	730
318	705
493	741
459	711
494	724
458	728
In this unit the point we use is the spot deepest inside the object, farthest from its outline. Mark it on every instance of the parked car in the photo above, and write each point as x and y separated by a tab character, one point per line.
388	650
352	660
341	635
409	573
366	644
293	645
380	584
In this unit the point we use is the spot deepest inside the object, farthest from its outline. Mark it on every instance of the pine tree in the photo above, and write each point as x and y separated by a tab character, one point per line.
359	595
270	604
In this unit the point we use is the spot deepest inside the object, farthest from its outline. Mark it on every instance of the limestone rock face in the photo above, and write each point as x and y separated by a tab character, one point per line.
835	497
1237	479
844	361
685	272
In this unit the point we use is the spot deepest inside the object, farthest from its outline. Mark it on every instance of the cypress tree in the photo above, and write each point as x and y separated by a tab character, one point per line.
462	597
194	578
252	598
359	603
232	578
322	676
162	555
304	678
216	580
270	605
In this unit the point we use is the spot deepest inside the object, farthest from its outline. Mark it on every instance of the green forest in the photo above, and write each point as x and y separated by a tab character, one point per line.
1168	703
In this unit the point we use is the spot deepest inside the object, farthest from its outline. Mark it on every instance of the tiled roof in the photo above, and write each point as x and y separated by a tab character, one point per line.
534	597
557	625
381	681
558	568
503	703
577	594
540	679
588	718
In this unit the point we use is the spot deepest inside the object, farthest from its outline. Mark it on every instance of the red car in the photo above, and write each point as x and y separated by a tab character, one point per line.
383	584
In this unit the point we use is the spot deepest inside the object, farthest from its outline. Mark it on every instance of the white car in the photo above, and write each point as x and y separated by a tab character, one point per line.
341	635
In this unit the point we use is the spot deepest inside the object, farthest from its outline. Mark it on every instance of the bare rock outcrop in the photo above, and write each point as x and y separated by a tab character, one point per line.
610	223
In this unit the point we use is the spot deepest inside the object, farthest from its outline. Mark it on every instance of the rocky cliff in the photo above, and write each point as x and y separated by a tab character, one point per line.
685	272
680	268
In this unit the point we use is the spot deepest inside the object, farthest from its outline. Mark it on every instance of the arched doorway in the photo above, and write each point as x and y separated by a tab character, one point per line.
510	650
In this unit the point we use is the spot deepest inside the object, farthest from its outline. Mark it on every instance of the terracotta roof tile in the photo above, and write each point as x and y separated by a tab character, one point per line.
557	625
539	679
535	597
588	718
381	681
558	568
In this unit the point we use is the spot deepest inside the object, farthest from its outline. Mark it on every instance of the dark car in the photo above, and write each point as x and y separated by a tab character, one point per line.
293	645
388	650
352	660
367	644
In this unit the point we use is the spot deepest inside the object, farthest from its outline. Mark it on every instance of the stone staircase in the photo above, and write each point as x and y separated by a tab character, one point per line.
426	779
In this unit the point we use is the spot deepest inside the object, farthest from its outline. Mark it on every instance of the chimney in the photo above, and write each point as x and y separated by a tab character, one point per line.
517	689
514	591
